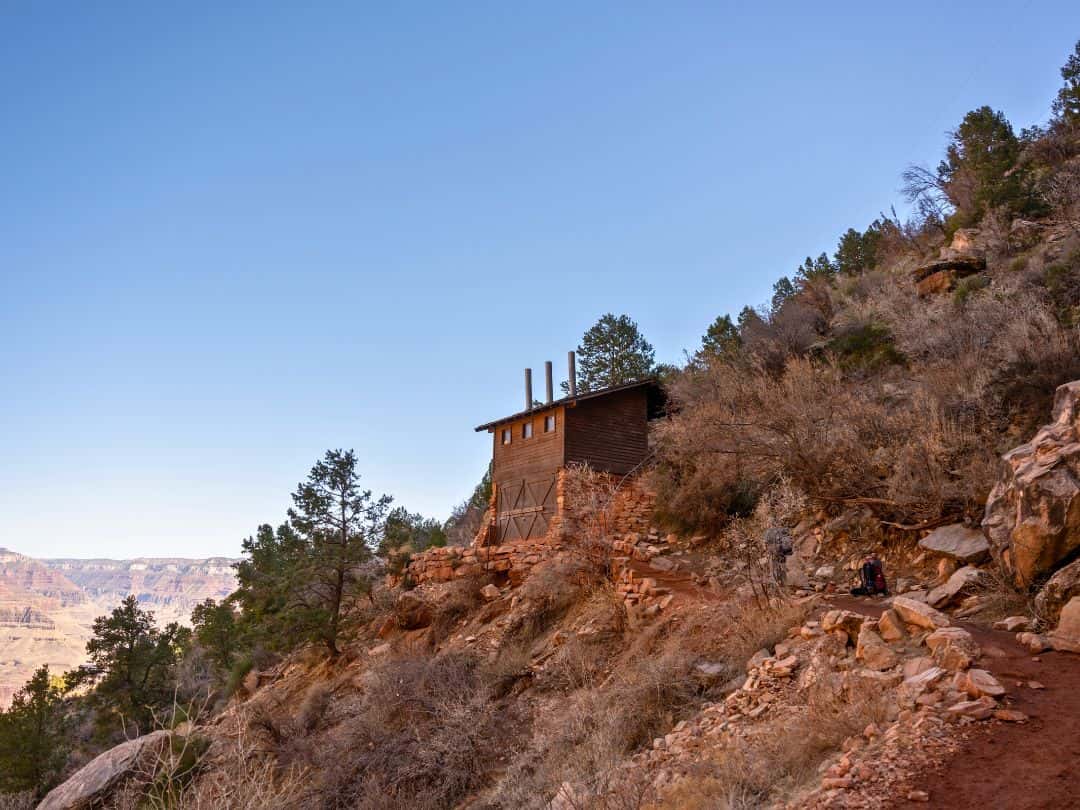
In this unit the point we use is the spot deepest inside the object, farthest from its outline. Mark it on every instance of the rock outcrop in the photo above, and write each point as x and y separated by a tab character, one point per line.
941	275
1032	516
1057	592
1066	638
957	542
88	785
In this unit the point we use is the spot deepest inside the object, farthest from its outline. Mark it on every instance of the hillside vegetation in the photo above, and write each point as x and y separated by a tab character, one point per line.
868	402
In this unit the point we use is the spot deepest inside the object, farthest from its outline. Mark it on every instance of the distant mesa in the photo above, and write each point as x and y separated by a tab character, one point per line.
47	607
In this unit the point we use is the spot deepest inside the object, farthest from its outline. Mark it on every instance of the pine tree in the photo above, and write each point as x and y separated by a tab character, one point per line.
613	352
782	291
1067	103
134	661
721	338
217	631
264	581
857	252
980	170
341	525
33	747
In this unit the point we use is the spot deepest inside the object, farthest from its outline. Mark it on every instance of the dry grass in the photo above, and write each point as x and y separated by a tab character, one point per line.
427	734
915	441
779	759
1000	598
581	744
551	590
17	801
189	772
457	599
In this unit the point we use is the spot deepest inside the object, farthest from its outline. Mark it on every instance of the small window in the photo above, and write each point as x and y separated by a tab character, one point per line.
526	430
506	434
549	424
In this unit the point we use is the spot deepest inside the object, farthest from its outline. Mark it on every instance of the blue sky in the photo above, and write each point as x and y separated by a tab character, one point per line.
231	238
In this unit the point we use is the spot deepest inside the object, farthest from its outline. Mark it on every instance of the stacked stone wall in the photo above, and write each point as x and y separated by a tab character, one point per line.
627	514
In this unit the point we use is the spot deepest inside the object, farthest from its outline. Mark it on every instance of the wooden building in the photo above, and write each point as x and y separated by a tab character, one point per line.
607	429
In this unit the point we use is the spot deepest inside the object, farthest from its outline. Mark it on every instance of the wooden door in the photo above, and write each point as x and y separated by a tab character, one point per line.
526	508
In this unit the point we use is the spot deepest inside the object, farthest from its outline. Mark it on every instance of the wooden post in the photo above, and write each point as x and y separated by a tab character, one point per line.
547	381
571	361
528	388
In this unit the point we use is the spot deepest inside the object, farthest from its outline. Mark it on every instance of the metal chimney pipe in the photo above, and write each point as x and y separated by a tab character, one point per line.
571	362
528	388
547	382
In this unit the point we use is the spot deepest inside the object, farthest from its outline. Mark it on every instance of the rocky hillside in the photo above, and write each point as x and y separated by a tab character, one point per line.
856	584
47	607
650	670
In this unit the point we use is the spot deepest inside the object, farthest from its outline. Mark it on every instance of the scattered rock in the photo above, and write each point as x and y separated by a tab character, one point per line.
891	627
961	580
918	796
953	648
915	666
1013	624
918	613
1034	642
490	592
825	572
413	611
945	569
708	673
979	682
845	620
957	542
757	659
872	650
1032	516
917	684
1010	716
781	669
980	709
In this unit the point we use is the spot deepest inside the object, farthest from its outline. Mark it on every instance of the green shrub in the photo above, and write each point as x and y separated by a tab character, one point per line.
967	287
1062	281
867	347
239	671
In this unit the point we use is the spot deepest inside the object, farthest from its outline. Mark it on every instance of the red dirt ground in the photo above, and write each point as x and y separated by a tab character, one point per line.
1014	766
678	582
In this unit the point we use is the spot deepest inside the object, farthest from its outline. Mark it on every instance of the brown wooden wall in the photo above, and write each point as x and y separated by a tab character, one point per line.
610	433
525	474
528	458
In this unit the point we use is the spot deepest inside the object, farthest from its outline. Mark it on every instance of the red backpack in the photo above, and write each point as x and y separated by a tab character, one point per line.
879	577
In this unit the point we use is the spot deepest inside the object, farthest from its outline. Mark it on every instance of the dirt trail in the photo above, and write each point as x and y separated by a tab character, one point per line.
1018	766
678	581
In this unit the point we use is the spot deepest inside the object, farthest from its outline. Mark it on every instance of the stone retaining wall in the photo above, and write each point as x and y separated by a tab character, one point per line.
628	512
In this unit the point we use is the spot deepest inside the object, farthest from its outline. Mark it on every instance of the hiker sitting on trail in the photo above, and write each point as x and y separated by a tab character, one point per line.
871	578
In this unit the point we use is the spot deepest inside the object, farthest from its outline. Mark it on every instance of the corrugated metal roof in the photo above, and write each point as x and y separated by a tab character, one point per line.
650	382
